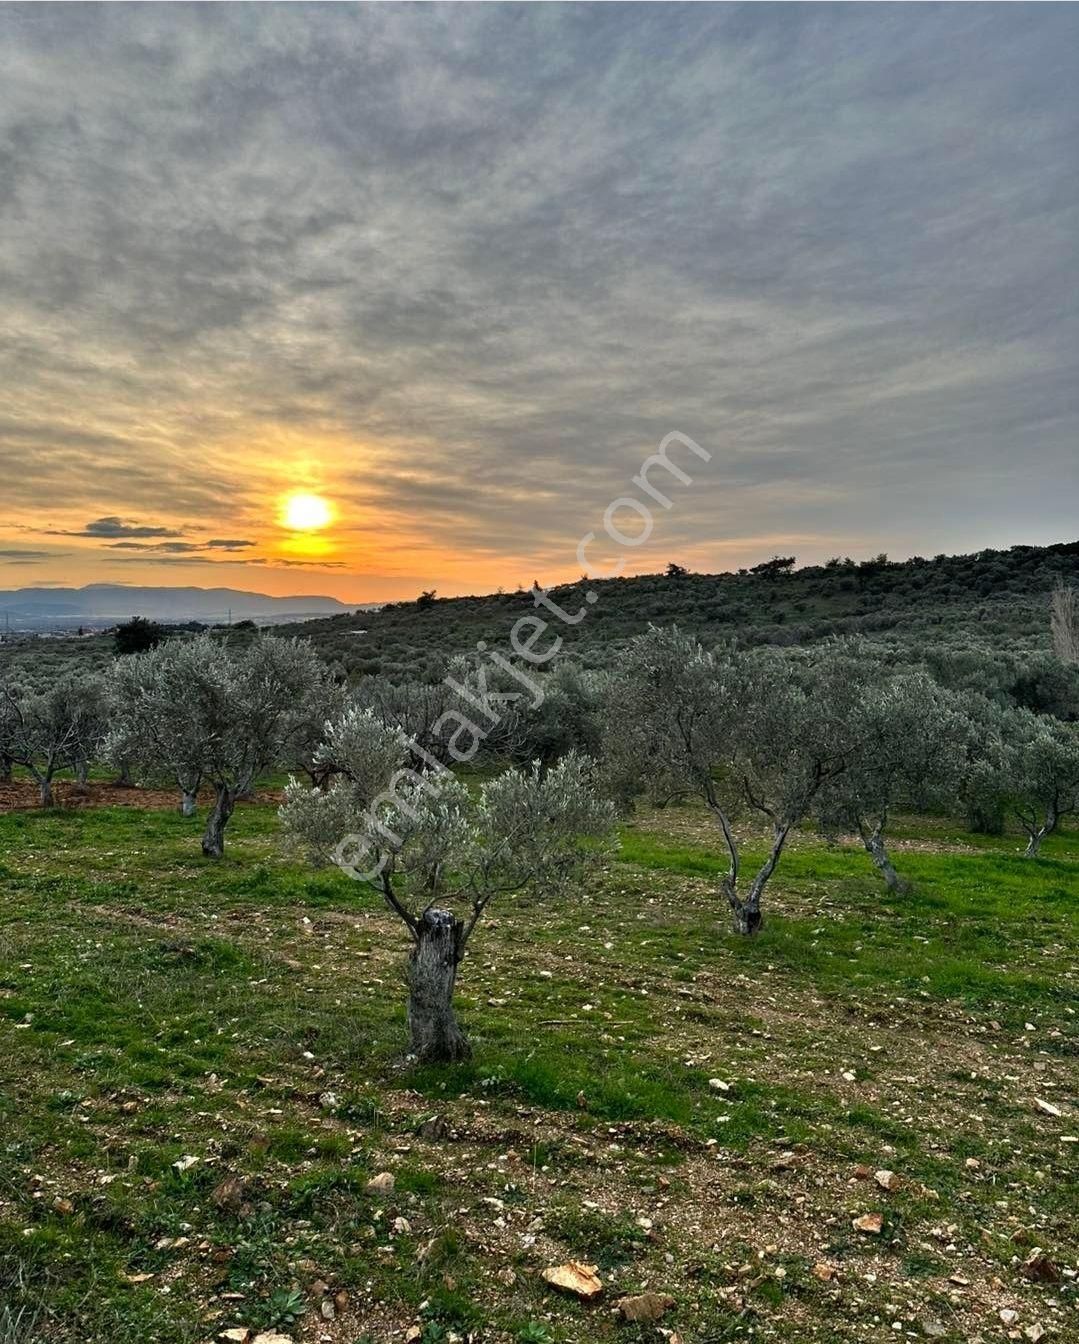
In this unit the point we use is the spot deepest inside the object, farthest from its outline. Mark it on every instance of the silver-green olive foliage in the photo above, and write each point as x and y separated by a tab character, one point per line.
782	734
911	749
200	710
54	726
437	854
1039	763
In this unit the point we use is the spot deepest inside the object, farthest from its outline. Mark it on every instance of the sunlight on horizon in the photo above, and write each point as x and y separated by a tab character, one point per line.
305	512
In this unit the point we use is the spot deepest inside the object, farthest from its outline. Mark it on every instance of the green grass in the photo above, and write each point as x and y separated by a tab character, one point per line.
250	1013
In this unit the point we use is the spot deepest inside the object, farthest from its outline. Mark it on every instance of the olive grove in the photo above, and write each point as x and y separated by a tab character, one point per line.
740	731
51	727
200	711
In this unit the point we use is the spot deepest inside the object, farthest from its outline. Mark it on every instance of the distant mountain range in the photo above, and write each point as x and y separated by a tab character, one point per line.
99	604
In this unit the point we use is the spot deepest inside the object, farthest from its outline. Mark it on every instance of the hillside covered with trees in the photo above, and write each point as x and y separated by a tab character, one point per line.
997	599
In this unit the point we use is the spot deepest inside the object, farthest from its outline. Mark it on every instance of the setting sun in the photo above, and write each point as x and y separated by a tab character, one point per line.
305	513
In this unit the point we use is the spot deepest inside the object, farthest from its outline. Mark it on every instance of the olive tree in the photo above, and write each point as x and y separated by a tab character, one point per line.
1041	772
53	727
203	711
91	724
911	748
795	737
438	856
7	733
761	731
525	714
142	730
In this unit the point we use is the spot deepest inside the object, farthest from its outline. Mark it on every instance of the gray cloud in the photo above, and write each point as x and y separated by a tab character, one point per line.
491	254
178	547
14	556
115	527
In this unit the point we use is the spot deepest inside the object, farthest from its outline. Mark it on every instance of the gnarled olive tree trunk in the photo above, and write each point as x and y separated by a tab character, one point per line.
746	911
873	840
45	788
213	839
432	975
6	764
1036	834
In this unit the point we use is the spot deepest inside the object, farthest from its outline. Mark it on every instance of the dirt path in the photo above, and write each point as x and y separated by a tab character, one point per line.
21	795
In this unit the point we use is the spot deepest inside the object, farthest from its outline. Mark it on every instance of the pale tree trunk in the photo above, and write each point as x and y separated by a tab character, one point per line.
213	840
874	844
1036	834
45	786
189	792
432	975
123	779
746	914
82	771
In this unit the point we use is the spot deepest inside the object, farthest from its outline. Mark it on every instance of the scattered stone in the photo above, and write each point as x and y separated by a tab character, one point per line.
238	1334
718	1085
933	1328
1008	1316
647	1307
862	1172
972	1164
63	1206
873	1223
434	1129
1047	1108
382	1184
1038	1268
272	1337
887	1180
229	1194
185	1163
1034	1332
576	1278
824	1272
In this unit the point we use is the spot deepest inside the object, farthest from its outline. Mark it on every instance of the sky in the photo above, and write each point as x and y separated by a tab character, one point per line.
455	271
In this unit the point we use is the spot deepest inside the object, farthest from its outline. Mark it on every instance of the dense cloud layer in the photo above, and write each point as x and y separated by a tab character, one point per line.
461	268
